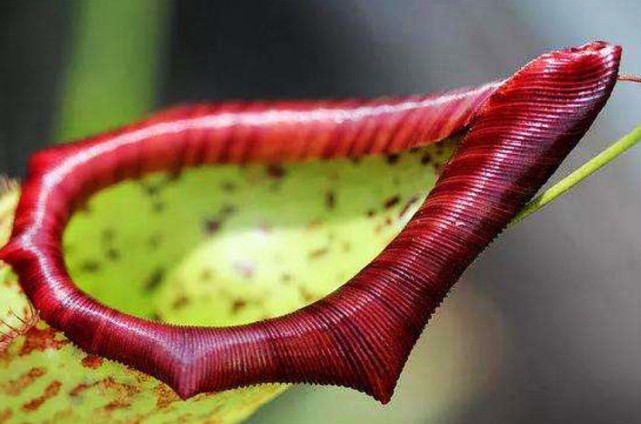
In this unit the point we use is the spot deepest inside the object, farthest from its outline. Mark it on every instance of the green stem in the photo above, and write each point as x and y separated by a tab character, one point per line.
594	164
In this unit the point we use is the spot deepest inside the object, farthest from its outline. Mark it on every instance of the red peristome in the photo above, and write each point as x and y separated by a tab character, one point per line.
360	336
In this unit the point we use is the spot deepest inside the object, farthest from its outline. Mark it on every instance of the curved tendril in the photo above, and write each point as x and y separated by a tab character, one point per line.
584	171
629	78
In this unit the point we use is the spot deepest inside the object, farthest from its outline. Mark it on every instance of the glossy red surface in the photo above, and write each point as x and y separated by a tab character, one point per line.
518	132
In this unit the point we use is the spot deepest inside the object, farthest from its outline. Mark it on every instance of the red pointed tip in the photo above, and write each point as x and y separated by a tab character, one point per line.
7	252
600	48
184	393
593	46
187	379
382	388
384	397
12	252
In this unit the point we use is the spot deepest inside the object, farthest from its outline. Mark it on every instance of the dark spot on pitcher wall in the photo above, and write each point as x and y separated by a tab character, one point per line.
330	200
228	186
306	295
426	159
392	159
211	225
228	210
112	254
391	202
238	305
158	206
407	205
286	278
317	253
174	174
207	275
150	189
314	224
154	280
90	266
180	302
108	235
275	170
155	240
387	222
